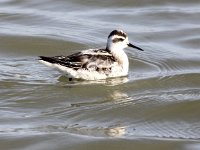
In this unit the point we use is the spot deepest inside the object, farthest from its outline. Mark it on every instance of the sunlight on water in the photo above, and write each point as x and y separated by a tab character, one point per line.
155	107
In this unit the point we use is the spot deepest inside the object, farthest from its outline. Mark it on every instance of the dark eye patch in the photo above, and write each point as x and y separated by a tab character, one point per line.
117	40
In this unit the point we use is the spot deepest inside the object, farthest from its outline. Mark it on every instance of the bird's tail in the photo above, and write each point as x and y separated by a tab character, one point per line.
47	59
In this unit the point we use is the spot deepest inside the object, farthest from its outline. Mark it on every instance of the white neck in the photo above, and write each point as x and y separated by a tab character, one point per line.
121	57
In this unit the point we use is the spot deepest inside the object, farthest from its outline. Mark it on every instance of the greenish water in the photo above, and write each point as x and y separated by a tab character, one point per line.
155	107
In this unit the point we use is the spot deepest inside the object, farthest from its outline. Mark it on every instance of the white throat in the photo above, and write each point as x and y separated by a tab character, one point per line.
121	57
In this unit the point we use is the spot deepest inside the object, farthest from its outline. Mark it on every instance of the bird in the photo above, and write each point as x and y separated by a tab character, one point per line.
95	64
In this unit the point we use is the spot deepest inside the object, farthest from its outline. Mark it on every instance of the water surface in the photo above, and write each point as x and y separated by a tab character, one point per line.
155	107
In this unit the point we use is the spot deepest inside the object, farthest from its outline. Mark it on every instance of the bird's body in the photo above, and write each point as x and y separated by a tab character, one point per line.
95	64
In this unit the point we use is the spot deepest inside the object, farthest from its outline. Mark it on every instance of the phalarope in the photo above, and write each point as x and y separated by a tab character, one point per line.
94	64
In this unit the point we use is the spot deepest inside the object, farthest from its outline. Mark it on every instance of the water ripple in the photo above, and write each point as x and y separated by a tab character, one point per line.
160	98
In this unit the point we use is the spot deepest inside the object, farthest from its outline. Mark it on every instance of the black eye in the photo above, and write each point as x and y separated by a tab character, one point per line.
120	39
117	40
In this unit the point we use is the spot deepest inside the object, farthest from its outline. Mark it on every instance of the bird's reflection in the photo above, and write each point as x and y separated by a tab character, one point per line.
108	82
117	131
113	97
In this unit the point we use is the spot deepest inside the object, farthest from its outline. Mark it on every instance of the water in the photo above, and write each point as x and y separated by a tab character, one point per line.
155	107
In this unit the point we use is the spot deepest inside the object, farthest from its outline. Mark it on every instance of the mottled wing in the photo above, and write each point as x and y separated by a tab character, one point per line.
89	59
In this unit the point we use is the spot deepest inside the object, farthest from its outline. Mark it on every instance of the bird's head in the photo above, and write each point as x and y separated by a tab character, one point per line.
118	40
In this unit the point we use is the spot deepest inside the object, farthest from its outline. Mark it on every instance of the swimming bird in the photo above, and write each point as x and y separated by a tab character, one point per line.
95	64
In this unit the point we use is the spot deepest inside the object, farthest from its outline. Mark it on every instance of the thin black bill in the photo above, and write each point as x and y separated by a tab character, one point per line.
133	46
